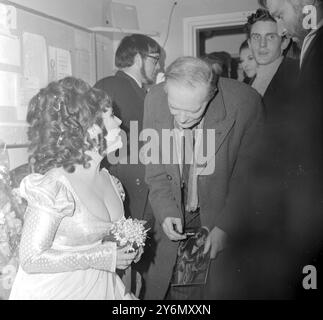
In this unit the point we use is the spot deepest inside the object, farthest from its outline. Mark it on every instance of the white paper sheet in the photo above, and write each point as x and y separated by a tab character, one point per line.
35	58
28	88
8	18
9	83
60	65
10	50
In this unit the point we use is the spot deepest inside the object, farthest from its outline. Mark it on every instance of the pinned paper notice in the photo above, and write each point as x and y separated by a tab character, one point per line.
35	58
28	88
9	50
9	82
8	18
60	65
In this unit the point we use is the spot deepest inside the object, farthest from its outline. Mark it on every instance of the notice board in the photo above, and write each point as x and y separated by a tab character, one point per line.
35	49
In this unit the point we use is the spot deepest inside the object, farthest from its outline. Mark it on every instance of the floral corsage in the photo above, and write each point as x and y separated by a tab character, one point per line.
128	232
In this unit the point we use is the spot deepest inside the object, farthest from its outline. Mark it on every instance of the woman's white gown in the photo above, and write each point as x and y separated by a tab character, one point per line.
67	262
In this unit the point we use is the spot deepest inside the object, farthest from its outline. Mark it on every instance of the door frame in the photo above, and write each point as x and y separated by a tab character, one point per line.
193	24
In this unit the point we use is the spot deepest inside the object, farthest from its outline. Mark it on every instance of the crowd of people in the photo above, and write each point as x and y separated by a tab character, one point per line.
243	161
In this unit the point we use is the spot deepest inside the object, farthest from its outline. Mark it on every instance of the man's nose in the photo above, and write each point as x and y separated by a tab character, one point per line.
181	117
157	66
263	42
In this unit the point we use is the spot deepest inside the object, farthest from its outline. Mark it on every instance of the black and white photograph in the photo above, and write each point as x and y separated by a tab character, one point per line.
192	263
161	150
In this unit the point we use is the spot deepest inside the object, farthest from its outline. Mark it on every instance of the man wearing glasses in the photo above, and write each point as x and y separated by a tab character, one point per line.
137	59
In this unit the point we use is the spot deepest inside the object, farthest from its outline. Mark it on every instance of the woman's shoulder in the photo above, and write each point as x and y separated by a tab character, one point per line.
50	180
47	190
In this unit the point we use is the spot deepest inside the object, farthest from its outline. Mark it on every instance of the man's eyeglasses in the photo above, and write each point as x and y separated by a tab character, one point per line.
256	37
156	58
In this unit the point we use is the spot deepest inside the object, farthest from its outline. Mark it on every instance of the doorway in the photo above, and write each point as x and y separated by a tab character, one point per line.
221	33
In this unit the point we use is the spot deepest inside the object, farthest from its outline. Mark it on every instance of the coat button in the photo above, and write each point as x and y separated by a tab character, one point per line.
169	177
138	182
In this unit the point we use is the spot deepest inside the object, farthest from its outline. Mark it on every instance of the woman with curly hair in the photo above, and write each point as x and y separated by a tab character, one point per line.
71	202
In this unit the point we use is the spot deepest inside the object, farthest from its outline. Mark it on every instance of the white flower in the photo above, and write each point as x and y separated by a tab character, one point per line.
17	195
6	208
2	218
5	249
129	231
12	223
3	235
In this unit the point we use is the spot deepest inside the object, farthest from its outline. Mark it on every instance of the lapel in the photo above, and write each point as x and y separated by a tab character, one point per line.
317	38
275	81
173	168
217	119
166	121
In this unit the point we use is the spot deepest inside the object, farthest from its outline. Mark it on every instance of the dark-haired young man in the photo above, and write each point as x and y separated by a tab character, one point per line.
137	59
274	70
276	81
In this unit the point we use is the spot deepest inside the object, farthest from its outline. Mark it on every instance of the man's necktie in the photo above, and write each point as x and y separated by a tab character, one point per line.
186	164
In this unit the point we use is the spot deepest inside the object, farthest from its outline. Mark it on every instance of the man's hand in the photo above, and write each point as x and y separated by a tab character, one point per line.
216	241
173	229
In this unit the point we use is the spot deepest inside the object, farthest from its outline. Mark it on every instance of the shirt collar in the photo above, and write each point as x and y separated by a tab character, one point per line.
134	78
198	126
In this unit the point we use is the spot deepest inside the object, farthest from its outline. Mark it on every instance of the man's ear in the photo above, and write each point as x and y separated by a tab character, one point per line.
285	43
138	61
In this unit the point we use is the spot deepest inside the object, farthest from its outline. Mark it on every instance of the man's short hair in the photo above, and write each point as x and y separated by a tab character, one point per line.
131	45
259	15
192	72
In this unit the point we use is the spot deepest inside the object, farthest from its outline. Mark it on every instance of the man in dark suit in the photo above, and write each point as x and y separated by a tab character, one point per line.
137	59
304	185
276	75
210	193
276	81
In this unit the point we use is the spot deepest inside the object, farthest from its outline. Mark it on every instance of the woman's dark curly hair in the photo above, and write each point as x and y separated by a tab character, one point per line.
59	117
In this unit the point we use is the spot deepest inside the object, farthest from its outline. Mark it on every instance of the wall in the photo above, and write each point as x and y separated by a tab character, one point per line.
86	13
153	15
